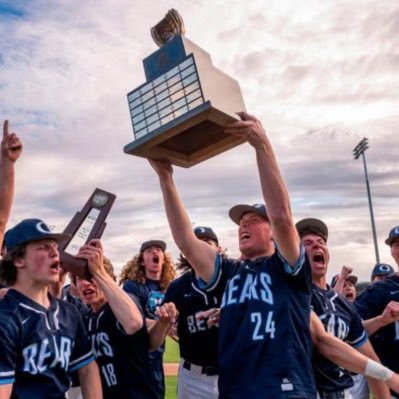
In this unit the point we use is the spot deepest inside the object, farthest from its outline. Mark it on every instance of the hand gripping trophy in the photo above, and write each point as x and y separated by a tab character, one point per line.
178	115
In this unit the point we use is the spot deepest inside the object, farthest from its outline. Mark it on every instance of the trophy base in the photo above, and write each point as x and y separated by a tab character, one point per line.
189	139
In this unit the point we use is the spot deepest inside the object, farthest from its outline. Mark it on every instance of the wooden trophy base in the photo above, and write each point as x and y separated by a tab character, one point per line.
189	139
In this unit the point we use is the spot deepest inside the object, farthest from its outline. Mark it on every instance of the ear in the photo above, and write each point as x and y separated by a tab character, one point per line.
19	263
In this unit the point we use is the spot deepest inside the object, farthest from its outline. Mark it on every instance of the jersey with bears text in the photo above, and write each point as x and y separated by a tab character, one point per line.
341	319
264	340
122	359
40	346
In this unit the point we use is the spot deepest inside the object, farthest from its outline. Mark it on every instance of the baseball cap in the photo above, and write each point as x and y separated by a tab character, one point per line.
382	269
237	211
31	230
153	243
393	235
312	226
351	278
205	232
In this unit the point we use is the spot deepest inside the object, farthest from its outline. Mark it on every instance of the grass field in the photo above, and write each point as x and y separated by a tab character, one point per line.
170	387
171	354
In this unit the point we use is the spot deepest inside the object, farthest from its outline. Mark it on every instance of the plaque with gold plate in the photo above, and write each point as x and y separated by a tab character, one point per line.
87	224
178	115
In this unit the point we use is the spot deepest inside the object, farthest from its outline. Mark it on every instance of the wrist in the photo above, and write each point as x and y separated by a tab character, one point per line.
377	371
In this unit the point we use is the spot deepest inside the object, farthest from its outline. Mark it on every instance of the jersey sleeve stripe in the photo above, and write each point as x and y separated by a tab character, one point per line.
7	381
213	282
293	271
82	361
357	343
7	377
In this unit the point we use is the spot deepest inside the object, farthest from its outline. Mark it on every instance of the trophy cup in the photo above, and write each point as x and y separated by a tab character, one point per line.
87	224
178	115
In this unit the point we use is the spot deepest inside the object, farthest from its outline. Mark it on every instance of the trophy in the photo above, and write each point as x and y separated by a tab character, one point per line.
178	115
87	224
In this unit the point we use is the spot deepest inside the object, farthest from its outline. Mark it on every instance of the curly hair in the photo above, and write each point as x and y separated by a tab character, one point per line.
134	270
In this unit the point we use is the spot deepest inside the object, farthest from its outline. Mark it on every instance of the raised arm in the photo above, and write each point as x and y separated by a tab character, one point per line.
200	255
90	381
11	149
349	358
123	307
274	190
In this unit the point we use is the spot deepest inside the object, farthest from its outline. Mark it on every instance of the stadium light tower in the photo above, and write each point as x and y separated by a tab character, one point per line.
359	150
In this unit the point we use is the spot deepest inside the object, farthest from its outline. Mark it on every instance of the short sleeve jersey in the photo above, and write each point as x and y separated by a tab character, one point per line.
122	359
264	342
40	346
371	303
198	343
341	319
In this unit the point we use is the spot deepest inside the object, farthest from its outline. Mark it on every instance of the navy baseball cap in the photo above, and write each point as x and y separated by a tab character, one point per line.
31	230
237	211
382	269
393	235
153	243
312	226
205	232
351	278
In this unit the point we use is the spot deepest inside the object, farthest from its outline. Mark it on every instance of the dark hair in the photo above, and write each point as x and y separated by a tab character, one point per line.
108	267
8	271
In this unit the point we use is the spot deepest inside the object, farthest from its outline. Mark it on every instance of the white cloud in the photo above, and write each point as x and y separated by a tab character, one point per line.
321	75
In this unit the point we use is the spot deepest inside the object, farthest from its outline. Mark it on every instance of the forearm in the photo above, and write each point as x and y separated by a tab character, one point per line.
158	333
5	391
123	307
7	177
377	387
200	255
276	197
90	381
374	324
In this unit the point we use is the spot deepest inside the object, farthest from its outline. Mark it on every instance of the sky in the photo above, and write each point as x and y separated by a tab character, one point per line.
320	75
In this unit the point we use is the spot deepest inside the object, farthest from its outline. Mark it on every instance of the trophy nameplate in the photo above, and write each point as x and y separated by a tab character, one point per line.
179	114
87	224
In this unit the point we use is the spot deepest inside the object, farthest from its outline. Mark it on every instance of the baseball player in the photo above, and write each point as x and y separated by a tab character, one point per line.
265	308
147	276
338	315
345	283
42	338
381	271
379	308
198	372
118	332
10	151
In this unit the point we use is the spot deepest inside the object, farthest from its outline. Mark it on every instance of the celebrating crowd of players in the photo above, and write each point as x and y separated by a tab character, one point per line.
266	325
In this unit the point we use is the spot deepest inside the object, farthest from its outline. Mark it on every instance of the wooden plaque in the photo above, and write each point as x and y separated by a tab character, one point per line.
87	224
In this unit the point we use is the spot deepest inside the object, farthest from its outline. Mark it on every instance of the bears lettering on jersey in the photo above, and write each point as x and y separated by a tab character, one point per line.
245	287
101	345
47	354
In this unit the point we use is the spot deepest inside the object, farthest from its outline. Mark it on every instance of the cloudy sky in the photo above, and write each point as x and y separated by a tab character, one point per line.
321	75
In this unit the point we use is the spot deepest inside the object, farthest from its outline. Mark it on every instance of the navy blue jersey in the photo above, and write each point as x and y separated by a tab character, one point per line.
198	343
150	297
122	359
371	303
265	346
40	346
341	319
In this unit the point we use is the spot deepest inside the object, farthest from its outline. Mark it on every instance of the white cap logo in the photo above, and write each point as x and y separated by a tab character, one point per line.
42	227
384	268
200	229
258	206
396	231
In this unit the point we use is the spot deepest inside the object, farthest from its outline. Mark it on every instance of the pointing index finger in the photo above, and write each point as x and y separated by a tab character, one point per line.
5	129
